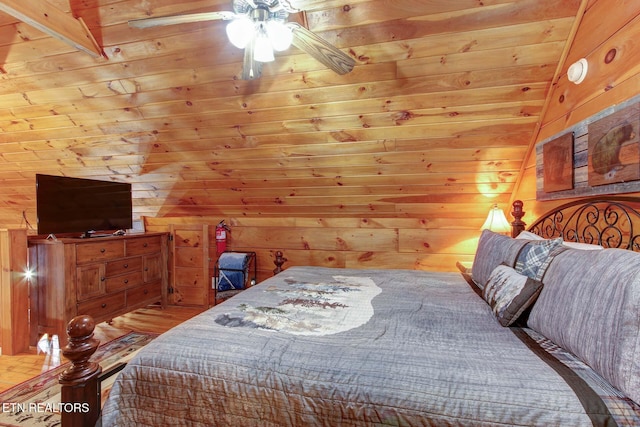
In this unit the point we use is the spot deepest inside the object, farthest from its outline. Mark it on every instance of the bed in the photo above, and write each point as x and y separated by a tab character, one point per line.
316	346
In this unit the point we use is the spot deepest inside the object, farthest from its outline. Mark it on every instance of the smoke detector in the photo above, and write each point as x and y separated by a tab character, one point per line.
578	71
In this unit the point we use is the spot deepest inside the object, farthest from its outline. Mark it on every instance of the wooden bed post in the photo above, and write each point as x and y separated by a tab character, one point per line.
517	226
80	403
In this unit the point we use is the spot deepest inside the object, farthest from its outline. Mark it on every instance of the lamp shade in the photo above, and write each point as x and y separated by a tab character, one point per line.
496	221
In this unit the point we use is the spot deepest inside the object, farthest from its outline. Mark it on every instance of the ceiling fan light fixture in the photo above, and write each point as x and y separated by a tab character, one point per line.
263	50
240	31
260	27
280	35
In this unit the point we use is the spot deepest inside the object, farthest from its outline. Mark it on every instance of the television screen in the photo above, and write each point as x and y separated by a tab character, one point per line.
70	205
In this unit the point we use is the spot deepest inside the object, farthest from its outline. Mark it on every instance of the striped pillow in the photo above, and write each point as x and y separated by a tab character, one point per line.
493	249
590	306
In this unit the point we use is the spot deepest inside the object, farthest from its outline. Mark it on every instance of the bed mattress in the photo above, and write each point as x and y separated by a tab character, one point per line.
318	346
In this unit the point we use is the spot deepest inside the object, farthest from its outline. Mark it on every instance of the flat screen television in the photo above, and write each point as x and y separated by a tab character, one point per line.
79	205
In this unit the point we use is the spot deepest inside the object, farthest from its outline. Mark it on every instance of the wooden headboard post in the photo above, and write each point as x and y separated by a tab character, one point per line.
517	226
280	259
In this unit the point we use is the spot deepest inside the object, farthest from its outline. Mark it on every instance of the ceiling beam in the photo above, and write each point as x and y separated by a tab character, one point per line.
53	21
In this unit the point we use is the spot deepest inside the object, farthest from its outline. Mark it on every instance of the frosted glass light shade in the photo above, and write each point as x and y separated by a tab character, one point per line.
263	51
280	35
240	31
496	221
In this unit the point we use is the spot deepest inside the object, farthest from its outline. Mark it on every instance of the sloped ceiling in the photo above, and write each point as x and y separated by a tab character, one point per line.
436	116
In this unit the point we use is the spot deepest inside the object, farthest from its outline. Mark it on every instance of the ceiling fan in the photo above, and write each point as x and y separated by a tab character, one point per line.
261	27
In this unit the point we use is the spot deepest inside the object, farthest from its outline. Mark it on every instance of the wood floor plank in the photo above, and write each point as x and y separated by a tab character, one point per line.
21	367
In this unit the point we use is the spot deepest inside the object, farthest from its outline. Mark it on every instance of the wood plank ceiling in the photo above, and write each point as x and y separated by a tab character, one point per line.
436	116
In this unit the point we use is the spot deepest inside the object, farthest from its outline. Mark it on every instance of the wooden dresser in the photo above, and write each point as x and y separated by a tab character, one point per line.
103	277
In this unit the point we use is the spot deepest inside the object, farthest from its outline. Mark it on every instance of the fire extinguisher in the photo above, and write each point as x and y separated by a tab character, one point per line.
221	237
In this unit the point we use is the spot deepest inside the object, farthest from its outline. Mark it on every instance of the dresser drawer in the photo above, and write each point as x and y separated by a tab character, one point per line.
101	308
150	293
89	281
152	267
124	281
121	266
99	251
143	245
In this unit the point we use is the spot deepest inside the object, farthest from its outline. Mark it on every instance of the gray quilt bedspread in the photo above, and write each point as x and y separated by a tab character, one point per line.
334	347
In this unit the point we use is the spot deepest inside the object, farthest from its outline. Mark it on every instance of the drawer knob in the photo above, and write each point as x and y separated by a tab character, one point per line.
126	266
126	281
102	279
103	250
145	245
146	291
104	305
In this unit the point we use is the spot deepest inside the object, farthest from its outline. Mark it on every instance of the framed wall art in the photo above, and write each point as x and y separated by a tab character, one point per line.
614	147
599	155
557	160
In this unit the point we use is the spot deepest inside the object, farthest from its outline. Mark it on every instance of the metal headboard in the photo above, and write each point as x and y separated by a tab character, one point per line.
613	222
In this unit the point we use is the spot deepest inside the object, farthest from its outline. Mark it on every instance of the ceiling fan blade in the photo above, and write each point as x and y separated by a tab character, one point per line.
251	69
298	5
180	19
321	50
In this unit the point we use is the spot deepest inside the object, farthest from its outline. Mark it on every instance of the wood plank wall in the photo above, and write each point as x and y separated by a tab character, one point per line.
431	127
608	82
14	292
405	195
412	243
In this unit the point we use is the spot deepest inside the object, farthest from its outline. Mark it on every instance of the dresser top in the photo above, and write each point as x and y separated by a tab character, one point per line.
38	240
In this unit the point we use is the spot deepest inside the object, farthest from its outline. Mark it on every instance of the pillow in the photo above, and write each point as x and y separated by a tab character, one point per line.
493	249
529	236
575	245
589	306
534	255
583	246
509	293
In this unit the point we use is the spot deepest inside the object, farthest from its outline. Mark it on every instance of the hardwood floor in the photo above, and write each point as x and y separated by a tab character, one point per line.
19	368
